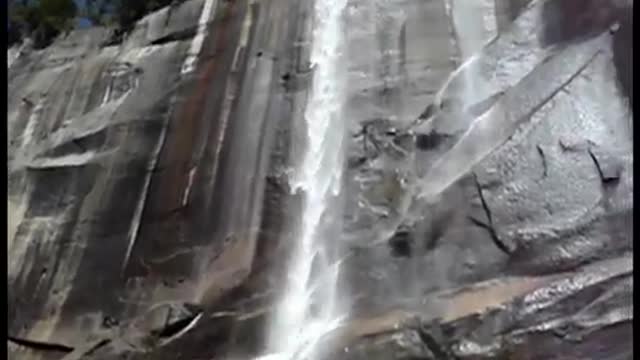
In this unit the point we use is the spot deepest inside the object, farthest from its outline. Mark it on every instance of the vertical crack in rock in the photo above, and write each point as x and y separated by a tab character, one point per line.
489	226
431	335
545	170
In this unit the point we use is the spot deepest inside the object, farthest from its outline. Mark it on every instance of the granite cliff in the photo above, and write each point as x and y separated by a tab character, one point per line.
149	202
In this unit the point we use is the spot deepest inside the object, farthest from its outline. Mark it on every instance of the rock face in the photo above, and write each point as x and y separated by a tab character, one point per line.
149	204
135	182
508	204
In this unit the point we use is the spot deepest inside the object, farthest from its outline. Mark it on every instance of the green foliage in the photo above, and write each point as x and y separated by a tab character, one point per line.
42	20
121	13
128	12
58	13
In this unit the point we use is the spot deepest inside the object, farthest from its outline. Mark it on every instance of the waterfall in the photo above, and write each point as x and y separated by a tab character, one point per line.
474	24
308	308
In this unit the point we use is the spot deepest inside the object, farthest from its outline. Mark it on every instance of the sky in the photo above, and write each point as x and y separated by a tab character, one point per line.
82	22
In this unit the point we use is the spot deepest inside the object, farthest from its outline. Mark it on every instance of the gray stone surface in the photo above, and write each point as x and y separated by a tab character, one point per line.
534	186
132	184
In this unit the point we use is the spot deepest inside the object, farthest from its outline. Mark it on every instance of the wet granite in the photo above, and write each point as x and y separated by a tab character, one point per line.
535	182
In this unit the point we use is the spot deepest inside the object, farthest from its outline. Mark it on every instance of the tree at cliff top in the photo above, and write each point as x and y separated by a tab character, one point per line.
43	20
40	20
122	13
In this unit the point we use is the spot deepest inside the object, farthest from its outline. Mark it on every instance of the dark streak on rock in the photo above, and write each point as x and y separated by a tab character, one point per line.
79	145
89	350
401	243
174	326
27	102
431	140
439	352
480	223
545	169
428	112
609	168
356	162
40	345
109	322
490	227
185	34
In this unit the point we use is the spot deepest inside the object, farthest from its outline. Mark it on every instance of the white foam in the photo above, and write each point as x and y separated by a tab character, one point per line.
308	309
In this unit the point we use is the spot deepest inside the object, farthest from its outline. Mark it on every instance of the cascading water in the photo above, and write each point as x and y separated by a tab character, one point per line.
474	25
308	309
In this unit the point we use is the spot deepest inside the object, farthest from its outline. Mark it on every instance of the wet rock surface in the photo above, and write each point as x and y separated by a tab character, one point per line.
586	314
550	198
149	208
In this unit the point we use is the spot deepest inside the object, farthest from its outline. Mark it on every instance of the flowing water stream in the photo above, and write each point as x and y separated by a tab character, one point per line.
308	308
